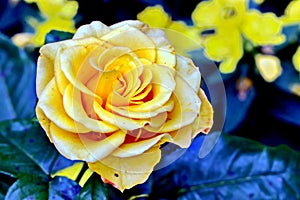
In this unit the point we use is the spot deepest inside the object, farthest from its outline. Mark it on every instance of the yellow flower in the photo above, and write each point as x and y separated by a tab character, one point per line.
58	15
220	47
295	89
156	17
292	13
262	29
111	96
259	1
217	13
269	66
22	39
231	20
296	59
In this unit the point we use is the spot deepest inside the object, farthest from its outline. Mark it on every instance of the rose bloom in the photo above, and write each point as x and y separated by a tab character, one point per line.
111	96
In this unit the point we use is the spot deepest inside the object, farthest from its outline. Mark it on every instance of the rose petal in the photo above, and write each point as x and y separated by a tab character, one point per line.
127	172
165	52
163	84
204	121
187	70
137	148
133	38
134	23
167	107
48	55
183	137
186	108
132	82
159	120
77	147
60	78
87	103
50	50
44	73
118	100
51	104
102	83
141	95
74	108
43	120
94	29
145	78
136	96
117	120
76	68
120	86
117	58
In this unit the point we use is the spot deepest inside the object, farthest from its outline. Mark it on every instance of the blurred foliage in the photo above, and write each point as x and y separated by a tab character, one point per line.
262	93
17	71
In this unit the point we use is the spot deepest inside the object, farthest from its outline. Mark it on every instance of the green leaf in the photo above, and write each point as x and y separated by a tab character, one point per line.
3	189
25	149
237	168
94	188
39	188
17	82
61	188
5	182
28	187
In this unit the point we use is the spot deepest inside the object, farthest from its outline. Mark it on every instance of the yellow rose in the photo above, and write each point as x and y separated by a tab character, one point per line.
111	96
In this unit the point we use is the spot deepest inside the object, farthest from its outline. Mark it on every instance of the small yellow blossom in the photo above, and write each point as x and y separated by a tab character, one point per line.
217	13
262	29
156	17
259	1
268	66
295	89
296	59
292	13
58	15
219	47
232	20
22	39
